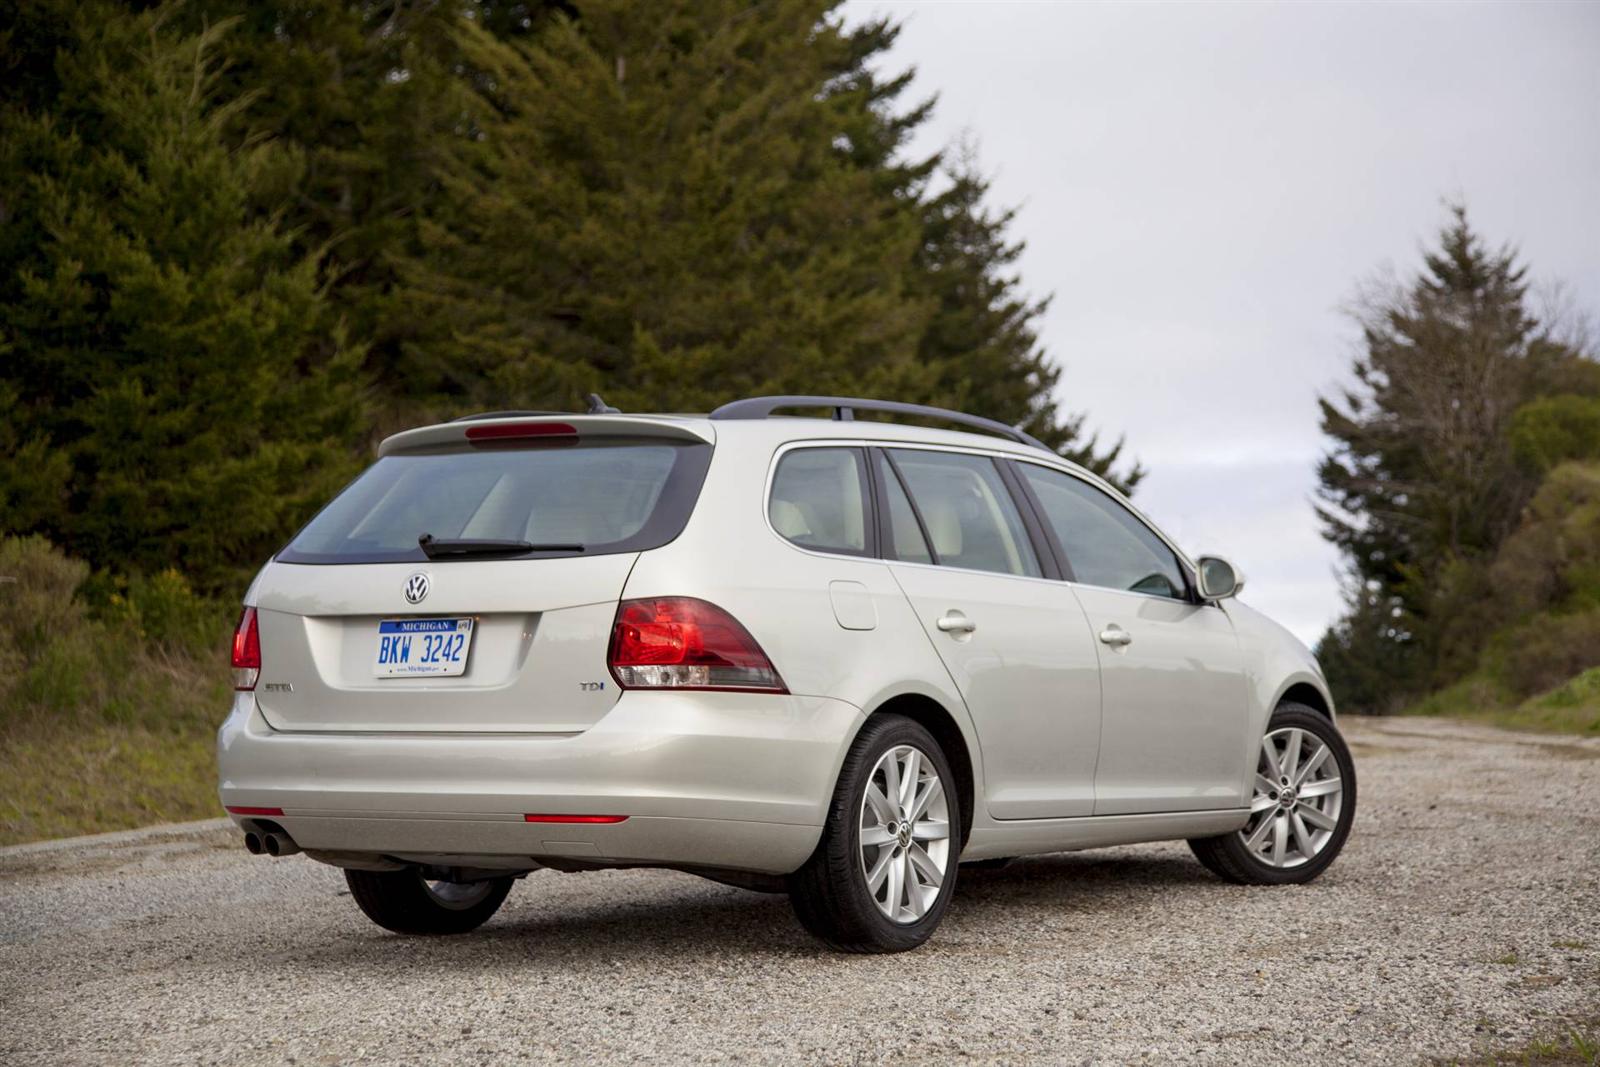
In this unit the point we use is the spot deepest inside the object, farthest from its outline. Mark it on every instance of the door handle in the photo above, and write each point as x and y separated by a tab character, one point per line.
953	622
1116	636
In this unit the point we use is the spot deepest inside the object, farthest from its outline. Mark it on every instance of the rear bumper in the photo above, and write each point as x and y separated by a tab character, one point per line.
723	780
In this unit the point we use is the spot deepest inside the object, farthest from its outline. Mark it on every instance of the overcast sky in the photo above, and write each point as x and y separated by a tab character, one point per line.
1203	186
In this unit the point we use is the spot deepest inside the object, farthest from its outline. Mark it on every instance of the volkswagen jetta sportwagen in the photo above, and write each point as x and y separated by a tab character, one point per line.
830	657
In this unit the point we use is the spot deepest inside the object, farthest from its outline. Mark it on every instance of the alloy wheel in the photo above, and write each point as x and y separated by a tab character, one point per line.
1297	799
905	834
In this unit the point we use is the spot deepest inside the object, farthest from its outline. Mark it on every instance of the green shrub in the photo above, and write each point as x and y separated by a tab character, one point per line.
37	597
106	712
163	609
1553	429
1545	652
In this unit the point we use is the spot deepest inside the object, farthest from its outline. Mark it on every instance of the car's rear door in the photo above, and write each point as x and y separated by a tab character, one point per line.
1015	642
1171	671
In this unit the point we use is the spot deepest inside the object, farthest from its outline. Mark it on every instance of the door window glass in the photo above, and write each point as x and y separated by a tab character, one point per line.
819	499
968	512
907	542
1106	544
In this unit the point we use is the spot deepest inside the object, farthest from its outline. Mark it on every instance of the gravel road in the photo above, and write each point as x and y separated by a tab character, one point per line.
1464	916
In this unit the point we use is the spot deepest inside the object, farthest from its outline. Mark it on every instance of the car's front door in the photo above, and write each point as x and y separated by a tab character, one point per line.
1017	644
1174	697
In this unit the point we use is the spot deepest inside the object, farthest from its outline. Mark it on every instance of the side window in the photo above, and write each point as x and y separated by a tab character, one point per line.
968	512
819	499
1105	543
906	540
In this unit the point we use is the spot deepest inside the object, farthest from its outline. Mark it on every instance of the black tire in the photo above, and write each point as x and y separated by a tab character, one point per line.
830	894
1227	856
403	902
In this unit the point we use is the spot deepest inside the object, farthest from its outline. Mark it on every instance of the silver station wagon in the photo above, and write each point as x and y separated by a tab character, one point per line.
830	657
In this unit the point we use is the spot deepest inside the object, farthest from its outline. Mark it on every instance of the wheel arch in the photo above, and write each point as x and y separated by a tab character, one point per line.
1304	691
937	720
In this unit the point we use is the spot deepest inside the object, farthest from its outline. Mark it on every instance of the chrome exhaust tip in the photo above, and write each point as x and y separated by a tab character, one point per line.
279	844
253	844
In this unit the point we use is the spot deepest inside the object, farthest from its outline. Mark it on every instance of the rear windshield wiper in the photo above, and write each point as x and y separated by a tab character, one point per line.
463	548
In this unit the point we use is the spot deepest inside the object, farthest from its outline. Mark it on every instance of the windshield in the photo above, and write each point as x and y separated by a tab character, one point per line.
562	500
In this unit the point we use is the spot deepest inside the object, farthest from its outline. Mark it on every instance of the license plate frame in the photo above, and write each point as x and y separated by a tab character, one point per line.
423	648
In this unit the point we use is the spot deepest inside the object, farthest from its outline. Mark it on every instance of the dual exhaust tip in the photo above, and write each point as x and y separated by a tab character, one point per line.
271	844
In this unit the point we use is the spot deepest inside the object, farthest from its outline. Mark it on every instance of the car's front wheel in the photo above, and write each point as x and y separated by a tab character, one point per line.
407	903
1301	808
882	875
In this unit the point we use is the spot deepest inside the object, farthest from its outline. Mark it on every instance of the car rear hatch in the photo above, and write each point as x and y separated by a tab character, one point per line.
501	622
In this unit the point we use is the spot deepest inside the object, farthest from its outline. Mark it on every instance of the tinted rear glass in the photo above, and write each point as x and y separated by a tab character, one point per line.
605	497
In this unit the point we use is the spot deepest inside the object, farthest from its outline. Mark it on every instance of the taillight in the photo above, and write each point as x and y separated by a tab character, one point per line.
683	643
246	651
520	432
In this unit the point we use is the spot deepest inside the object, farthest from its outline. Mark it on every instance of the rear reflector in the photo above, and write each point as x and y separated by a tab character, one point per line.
238	810
575	818
246	651
684	643
520	431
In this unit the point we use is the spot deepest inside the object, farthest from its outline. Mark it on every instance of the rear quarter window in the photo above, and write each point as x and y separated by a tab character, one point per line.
819	500
607	497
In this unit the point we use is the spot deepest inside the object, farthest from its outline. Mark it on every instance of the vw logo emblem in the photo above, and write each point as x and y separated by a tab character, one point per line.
417	587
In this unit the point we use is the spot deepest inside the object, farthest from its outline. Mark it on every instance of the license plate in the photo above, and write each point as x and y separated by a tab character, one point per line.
413	648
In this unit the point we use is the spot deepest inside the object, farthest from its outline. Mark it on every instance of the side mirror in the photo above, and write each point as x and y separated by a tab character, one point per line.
1219	579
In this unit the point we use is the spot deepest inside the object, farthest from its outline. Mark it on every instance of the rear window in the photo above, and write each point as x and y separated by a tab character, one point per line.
607	497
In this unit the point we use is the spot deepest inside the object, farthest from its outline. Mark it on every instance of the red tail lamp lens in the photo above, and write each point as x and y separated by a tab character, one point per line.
246	651
240	810
684	643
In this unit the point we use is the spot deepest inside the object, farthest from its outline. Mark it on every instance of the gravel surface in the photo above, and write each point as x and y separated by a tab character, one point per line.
1464	916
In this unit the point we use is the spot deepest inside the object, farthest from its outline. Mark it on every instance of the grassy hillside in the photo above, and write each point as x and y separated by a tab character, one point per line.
107	716
1572	708
1538	602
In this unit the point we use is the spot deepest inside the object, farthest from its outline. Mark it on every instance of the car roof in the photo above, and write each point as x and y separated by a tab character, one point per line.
772	431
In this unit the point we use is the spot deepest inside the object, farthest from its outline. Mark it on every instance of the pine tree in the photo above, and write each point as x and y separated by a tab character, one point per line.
1422	471
659	209
982	340
1424	482
367	95
166	353
682	210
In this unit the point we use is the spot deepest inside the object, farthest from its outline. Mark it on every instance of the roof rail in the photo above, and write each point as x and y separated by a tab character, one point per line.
845	408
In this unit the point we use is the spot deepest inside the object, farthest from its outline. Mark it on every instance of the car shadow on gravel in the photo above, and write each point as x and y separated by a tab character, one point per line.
1081	882
672	917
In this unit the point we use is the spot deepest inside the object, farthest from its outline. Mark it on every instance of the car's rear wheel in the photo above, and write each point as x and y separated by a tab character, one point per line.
407	903
882	875
1301	808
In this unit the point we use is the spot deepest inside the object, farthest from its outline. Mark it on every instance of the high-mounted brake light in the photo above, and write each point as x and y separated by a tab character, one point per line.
607	819
246	651
508	432
684	643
